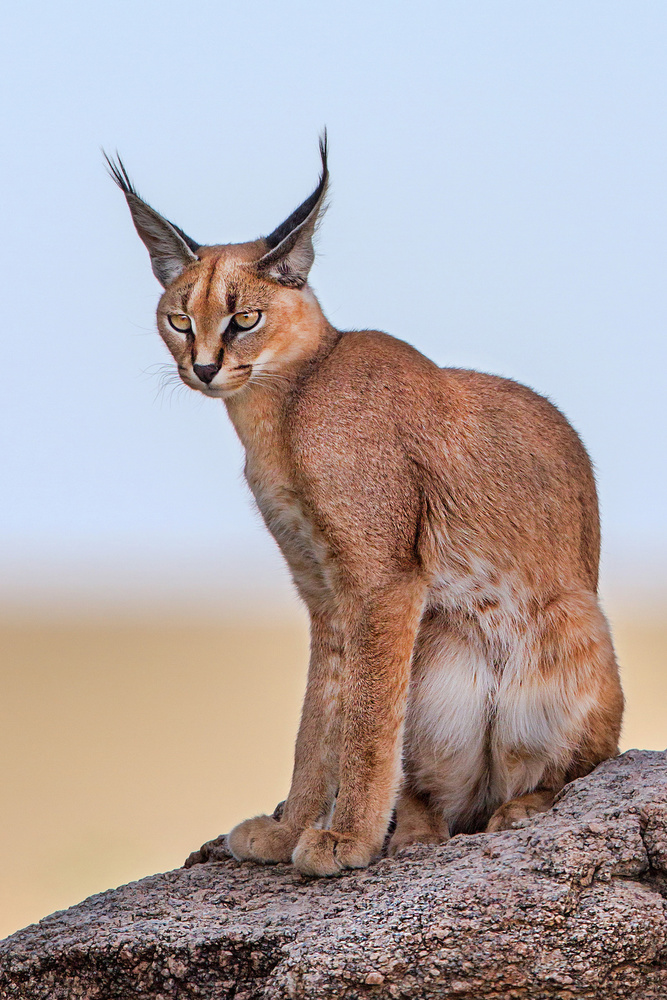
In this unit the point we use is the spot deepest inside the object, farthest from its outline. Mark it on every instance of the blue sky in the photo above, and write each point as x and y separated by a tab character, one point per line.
499	196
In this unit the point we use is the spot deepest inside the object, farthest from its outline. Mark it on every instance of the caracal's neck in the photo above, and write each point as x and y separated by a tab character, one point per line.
304	339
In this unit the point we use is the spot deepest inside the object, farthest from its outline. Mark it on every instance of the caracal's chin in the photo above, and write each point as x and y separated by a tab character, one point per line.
223	391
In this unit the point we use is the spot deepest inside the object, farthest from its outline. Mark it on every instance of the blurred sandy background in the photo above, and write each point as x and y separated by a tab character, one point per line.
131	742
498	199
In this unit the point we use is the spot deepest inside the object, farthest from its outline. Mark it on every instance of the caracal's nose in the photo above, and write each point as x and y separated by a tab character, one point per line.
206	372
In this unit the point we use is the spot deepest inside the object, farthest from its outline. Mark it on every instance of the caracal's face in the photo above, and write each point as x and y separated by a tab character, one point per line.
237	315
229	329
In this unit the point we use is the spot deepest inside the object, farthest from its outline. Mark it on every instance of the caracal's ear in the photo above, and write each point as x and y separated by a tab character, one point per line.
171	251
291	254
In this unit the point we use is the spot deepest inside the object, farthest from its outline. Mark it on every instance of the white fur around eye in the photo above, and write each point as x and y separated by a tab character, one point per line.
247	319
241	333
172	331
179	322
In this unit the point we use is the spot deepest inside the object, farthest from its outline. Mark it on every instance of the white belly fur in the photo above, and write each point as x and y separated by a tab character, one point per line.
447	722
483	723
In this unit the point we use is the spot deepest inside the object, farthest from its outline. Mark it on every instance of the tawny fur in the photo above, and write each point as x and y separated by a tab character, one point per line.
442	528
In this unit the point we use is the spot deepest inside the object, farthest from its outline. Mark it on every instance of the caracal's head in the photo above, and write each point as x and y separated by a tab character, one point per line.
238	314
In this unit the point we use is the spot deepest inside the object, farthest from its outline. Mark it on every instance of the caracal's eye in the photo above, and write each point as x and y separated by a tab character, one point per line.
247	319
180	322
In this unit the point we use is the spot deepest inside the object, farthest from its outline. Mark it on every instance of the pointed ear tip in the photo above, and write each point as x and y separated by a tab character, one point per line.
324	146
109	160
119	173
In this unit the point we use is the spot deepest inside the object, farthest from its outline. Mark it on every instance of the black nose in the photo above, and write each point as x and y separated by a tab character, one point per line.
206	372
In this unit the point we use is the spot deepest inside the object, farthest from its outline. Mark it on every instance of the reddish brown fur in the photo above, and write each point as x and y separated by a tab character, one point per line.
442	528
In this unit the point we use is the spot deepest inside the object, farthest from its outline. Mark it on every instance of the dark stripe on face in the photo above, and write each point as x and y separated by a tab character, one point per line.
185	297
232	299
211	275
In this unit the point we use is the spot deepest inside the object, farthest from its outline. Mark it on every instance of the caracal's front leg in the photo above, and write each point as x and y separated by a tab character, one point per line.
315	775
380	635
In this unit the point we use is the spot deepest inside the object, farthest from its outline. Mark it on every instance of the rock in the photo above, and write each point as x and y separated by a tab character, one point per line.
570	905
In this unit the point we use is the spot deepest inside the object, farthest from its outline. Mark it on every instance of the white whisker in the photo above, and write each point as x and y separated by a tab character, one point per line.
167	378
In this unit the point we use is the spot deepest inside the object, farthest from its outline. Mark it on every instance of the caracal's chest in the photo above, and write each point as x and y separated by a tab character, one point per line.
269	476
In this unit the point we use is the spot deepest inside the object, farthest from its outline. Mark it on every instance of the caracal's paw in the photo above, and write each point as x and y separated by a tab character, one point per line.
400	840
212	850
263	839
512	813
325	852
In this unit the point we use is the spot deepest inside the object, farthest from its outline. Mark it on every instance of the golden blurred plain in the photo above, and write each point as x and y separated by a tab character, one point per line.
126	743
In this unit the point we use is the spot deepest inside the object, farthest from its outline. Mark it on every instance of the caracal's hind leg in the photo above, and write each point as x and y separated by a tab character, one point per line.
523	807
417	822
559	711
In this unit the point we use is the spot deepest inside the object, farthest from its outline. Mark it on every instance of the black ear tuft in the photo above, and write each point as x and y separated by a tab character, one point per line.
120	174
170	249
300	214
290	255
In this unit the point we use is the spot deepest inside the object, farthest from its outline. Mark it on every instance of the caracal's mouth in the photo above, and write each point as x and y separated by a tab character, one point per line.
235	381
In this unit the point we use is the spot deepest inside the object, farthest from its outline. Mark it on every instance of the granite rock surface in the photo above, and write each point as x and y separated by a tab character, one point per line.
573	904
